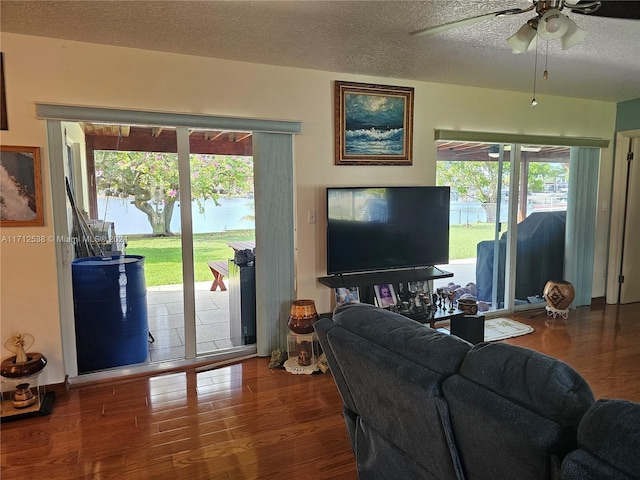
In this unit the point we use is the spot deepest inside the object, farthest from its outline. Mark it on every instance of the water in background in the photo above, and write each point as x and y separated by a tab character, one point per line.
462	213
129	220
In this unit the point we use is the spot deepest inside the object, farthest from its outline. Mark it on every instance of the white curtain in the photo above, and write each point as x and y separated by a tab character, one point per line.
584	165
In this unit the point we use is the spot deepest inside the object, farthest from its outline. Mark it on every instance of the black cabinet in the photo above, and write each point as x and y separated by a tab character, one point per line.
242	304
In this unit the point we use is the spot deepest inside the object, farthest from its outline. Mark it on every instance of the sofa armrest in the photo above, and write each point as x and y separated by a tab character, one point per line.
608	441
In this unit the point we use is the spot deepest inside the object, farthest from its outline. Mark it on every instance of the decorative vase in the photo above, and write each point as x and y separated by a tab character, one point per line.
23	396
304	358
559	294
468	306
303	316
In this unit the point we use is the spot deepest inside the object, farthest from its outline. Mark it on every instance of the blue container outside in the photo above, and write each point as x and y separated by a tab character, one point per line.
110	302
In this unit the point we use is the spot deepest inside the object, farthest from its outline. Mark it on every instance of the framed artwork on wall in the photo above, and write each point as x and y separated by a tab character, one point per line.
20	187
373	124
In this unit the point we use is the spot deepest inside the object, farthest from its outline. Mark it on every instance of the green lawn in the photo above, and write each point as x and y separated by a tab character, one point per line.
464	239
163	262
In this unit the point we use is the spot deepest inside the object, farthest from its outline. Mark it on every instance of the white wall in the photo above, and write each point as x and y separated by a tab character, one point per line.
58	71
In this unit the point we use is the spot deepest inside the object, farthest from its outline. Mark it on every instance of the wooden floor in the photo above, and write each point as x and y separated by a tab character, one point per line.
245	421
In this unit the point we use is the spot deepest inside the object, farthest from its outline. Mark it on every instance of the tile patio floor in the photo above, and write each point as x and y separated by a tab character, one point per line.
166	321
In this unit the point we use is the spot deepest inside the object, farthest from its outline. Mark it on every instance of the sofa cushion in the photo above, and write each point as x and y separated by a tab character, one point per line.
411	340
322	327
380	459
609	442
536	381
402	422
514	412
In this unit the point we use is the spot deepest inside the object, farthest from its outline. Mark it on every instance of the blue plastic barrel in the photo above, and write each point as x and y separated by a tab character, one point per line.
110	302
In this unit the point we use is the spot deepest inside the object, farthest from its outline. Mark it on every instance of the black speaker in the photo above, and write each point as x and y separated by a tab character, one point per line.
469	328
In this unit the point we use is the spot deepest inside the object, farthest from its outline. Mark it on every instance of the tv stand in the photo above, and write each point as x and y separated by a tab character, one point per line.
471	328
365	279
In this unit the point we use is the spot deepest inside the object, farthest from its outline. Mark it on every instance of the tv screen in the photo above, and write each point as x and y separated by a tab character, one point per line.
386	228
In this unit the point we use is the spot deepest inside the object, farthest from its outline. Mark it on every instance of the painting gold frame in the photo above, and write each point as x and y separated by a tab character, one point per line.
20	187
373	124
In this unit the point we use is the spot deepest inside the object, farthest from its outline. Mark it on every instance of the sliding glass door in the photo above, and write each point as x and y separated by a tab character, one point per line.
508	215
543	194
478	174
223	223
179	200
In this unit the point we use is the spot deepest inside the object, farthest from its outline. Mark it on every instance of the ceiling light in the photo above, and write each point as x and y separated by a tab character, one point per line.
550	24
521	40
494	151
553	25
573	36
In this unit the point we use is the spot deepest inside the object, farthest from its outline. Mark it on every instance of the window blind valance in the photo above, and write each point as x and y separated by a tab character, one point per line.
492	137
73	113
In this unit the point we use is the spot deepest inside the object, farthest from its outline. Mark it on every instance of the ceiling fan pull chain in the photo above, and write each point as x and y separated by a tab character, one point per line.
534	102
545	75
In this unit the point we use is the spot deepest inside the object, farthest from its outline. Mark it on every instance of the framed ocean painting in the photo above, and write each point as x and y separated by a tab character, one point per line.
373	124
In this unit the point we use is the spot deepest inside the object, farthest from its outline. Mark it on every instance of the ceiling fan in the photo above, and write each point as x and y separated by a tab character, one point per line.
549	23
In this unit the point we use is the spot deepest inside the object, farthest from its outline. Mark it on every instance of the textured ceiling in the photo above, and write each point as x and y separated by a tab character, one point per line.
359	37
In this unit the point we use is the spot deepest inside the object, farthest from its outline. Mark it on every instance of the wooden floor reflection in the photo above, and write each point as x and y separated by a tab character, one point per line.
601	342
244	421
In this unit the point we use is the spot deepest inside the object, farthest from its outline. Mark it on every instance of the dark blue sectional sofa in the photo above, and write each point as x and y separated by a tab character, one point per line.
420	404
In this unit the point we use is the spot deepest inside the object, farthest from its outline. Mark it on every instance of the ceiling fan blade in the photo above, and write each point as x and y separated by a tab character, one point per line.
625	9
469	21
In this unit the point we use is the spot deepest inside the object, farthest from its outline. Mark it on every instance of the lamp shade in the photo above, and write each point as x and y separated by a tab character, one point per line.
521	40
573	36
303	316
553	25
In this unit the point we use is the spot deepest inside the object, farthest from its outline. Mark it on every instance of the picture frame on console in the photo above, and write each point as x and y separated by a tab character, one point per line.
347	295
373	124
385	295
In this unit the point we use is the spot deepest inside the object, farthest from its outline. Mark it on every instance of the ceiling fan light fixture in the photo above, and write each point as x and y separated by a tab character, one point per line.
521	40
553	25
574	35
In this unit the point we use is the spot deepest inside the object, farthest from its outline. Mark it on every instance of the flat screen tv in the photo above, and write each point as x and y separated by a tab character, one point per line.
382	228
